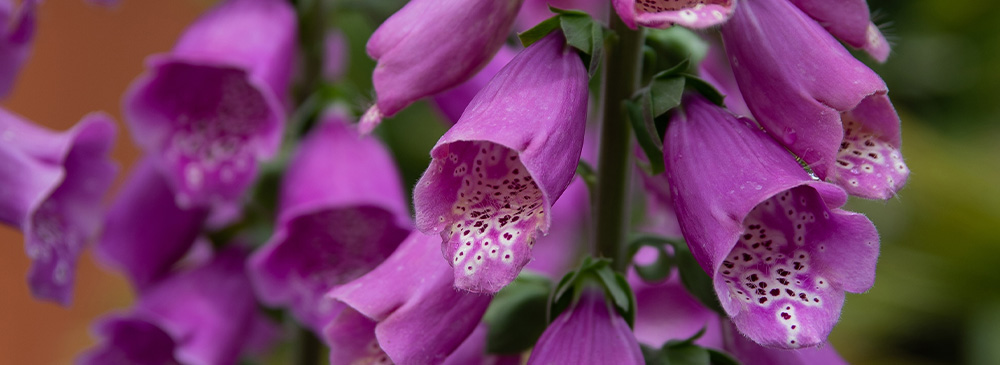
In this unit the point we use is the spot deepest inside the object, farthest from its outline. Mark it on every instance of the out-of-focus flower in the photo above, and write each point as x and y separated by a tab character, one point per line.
662	14
410	303
342	213
497	172
850	21
211	108
779	251
665	311
17	30
334	54
145	232
205	315
589	332
810	93
50	185
430	46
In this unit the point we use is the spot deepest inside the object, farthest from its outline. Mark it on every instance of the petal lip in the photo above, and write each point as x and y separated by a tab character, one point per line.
694	14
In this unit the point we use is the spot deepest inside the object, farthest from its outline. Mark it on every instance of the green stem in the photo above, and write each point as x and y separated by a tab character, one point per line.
614	165
307	349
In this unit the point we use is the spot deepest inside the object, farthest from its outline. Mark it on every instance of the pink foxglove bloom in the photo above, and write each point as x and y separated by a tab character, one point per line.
850	22
205	315
589	332
750	353
145	232
409	302
497	172
212	107
342	213
430	46
17	30
454	101
779	251
665	311
51	183
696	14
805	89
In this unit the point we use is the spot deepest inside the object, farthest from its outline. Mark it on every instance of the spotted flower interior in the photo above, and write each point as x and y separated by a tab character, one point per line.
694	13
867	165
496	212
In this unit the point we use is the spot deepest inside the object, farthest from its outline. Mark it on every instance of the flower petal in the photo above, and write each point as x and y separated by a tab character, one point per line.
696	14
587	333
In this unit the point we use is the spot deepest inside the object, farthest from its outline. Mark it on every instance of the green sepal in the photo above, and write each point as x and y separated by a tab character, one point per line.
516	316
594	271
705	89
717	357
539	31
589	177
647	138
581	31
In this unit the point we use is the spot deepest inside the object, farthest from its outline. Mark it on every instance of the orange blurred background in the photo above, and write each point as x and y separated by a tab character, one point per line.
83	59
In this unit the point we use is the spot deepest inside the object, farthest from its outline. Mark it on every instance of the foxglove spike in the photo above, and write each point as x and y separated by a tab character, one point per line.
430	46
810	93
419	317
342	213
589	332
850	22
17	31
50	185
696	14
497	172
145	232
213	107
750	353
778	249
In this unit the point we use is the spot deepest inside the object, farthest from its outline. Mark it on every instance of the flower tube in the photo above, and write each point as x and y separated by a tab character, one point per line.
779	251
589	332
497	172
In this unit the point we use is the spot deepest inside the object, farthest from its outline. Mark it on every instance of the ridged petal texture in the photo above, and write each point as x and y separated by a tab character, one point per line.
342	213
779	251
50	185
495	174
696	14
810	93
210	109
850	22
590	332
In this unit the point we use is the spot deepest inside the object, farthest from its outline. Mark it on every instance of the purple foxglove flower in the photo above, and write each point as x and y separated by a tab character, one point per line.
207	313
810	93
335	58
496	173
342	213
750	353
17	30
50	185
454	101
212	107
779	251
697	14
430	46
145	232
666	311
409	301
130	341
536	11
589	332
715	69
850	22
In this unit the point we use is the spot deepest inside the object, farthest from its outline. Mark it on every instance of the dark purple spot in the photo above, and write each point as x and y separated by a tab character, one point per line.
775	292
786	316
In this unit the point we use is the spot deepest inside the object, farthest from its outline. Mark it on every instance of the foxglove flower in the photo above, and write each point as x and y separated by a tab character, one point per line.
850	22
17	30
430	46
206	315
473	351
50	184
662	14
589	332
810	93
750	353
409	302
778	249
211	108
665	311
454	101
497	172
145	232
342	213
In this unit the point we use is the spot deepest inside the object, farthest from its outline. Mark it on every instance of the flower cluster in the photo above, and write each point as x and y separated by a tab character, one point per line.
249	197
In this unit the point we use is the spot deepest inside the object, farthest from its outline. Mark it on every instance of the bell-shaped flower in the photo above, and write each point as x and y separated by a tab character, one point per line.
825	106
203	315
212	107
50	185
779	250
496	173
145	232
410	305
850	21
589	332
696	14
430	46
750	353
666	311
453	102
342	213
17	30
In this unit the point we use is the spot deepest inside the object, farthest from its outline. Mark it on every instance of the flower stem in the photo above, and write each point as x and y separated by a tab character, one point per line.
307	349
614	165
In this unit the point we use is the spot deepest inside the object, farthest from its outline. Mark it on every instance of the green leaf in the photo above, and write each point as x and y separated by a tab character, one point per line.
705	89
516	316
717	357
648	139
696	281
665	94
539	31
658	270
589	177
652	355
579	31
687	354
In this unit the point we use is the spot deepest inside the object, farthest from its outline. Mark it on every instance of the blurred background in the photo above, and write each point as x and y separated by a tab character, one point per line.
935	300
